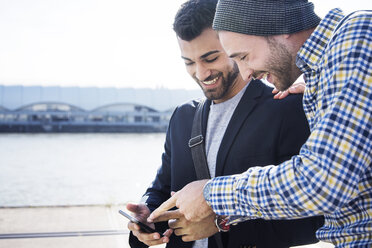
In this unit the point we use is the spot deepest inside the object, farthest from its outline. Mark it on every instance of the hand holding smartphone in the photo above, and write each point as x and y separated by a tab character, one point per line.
145	228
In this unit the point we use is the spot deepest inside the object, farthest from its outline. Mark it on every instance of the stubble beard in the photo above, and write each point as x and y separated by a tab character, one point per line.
225	87
281	65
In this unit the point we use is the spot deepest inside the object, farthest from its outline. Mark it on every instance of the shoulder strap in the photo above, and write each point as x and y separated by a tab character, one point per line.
196	144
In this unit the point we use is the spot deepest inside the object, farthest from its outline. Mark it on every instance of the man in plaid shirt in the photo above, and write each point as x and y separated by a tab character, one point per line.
332	175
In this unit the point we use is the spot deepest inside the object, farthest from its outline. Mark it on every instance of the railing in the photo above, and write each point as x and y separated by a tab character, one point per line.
62	234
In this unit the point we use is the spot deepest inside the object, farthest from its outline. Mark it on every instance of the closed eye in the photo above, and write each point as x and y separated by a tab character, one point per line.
243	57
189	63
211	60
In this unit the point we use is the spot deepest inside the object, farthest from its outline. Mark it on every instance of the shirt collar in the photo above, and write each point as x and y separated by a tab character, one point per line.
313	49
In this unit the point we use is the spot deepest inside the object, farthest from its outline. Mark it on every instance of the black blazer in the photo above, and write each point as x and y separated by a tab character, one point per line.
262	131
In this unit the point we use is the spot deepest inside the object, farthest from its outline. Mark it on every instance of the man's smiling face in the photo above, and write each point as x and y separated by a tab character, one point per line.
258	56
209	65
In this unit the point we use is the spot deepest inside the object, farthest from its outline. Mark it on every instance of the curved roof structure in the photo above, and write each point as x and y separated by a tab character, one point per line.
92	98
50	106
124	107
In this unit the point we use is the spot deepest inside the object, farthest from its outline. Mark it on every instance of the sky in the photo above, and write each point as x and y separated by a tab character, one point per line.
100	43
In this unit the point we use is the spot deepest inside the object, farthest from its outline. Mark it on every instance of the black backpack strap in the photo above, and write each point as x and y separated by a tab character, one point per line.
196	144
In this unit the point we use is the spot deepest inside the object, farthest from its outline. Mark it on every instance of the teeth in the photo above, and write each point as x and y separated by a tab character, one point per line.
211	81
261	76
264	76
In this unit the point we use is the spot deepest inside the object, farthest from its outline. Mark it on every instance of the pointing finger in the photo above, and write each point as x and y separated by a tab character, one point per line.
175	214
170	203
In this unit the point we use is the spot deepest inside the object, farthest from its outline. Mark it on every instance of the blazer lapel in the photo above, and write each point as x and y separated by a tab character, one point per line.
242	111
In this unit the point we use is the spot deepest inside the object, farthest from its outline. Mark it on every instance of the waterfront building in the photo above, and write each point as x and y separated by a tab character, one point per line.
93	109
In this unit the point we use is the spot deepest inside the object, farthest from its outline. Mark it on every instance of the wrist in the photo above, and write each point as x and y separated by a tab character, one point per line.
221	223
207	192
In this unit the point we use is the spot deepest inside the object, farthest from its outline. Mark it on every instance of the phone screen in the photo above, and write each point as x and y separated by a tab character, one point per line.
143	226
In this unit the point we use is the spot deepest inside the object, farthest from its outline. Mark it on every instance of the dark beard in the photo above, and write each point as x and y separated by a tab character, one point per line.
226	85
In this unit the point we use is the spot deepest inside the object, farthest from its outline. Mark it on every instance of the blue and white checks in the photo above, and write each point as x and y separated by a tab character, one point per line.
332	175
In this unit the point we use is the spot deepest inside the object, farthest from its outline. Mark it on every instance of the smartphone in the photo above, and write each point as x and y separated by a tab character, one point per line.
143	226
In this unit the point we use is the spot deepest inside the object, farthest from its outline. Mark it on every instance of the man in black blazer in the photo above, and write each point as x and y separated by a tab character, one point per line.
243	125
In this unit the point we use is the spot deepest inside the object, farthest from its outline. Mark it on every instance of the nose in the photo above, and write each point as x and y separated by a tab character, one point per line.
202	72
245	72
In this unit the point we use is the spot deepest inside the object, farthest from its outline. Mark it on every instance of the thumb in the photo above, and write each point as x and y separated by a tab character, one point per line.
133	207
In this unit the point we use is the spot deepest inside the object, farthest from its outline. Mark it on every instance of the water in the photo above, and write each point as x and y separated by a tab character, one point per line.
74	169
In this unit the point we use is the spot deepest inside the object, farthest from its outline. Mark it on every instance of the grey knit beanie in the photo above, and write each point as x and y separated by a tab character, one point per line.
265	17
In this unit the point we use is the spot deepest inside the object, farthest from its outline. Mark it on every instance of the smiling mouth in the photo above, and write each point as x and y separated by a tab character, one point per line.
210	82
262	75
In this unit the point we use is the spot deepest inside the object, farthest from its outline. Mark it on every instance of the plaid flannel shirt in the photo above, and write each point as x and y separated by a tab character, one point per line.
332	175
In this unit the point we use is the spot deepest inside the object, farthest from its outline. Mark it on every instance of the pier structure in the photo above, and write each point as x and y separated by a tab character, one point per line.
63	117
91	109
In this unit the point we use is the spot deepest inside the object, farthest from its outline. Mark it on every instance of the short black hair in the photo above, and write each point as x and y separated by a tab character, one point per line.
193	17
